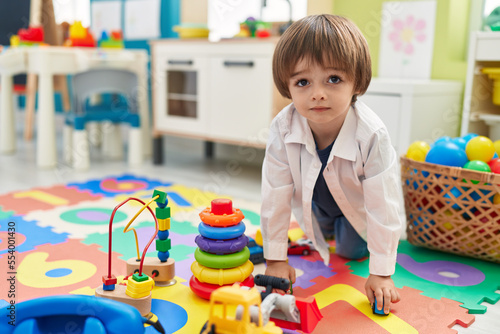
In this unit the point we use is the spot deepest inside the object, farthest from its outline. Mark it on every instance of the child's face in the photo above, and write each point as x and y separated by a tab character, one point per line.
322	95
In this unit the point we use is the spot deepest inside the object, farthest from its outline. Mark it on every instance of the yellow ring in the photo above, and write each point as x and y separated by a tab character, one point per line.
221	276
221	220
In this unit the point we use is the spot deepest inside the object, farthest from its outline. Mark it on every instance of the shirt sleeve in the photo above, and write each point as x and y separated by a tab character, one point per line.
383	203
277	191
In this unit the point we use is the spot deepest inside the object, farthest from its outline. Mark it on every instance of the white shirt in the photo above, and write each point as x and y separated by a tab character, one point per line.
361	173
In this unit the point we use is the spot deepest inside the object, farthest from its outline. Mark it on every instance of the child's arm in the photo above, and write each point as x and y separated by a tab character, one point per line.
277	191
382	202
280	269
382	288
382	199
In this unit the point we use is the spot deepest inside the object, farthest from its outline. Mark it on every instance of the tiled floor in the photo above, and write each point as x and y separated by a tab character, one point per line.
234	172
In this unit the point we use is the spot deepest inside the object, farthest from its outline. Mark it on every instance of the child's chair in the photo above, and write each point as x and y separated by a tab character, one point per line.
86	85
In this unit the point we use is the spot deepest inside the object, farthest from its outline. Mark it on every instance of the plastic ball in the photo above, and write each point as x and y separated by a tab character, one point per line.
496	199
492	162
442	140
480	148
418	150
460	142
495	166
448	154
479	166
469	136
496	144
454	195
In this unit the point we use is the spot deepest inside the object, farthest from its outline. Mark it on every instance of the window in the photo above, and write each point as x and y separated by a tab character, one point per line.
225	16
72	10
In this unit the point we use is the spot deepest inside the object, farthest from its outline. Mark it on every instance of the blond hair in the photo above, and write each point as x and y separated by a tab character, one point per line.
330	41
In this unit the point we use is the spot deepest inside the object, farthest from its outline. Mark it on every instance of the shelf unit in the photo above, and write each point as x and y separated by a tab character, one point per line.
480	114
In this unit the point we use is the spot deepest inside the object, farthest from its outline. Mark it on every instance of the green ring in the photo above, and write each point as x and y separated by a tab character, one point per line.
222	261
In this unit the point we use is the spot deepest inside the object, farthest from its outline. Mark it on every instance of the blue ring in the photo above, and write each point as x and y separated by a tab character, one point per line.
221	233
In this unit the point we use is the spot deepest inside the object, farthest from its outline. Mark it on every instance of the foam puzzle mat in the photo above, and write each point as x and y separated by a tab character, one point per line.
62	248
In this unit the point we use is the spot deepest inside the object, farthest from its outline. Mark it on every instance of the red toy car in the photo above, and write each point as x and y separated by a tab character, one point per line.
296	249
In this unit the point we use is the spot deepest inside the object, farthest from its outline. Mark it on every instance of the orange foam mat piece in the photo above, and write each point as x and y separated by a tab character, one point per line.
22	202
59	269
345	307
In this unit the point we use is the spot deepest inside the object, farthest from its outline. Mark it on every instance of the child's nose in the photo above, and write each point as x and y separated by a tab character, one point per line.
318	93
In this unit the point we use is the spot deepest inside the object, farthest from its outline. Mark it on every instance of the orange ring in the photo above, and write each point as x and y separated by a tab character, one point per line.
221	220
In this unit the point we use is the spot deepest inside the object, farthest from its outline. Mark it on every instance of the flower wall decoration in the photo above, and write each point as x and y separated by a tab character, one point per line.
407	32
407	39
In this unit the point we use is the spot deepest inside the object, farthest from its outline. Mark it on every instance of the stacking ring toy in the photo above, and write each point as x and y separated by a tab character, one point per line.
221	220
221	276
221	247
222	261
223	233
204	290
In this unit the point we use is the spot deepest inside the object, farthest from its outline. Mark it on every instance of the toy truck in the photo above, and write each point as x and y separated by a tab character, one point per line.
287	311
237	311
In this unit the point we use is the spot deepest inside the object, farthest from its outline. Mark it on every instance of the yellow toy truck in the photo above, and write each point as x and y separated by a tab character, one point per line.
237	311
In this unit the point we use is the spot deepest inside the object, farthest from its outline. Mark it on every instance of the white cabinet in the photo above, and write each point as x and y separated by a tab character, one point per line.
415	109
246	114
480	114
217	92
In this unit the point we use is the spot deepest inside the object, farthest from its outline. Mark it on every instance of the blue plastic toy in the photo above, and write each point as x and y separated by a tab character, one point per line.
469	136
256	252
82	314
447	153
376	310
229	232
460	142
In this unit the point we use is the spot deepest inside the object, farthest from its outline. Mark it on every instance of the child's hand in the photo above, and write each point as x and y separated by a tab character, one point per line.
280	269
381	287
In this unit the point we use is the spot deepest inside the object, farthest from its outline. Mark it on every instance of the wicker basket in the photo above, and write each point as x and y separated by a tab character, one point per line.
447	211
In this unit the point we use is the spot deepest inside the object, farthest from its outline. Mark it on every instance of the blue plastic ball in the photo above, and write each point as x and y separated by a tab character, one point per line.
456	194
442	139
460	142
163	235
447	154
469	136
163	256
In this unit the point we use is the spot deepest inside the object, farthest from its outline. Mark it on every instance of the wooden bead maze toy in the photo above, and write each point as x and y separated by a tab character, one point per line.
161	270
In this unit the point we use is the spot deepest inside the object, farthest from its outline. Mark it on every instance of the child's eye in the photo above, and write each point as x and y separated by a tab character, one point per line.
302	82
334	79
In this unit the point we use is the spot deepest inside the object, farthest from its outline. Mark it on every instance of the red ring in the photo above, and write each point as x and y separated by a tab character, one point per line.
204	290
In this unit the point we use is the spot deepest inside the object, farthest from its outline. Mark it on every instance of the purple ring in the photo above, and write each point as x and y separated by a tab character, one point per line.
220	247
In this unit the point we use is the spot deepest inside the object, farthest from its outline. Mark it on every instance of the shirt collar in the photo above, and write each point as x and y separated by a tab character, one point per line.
299	130
345	144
